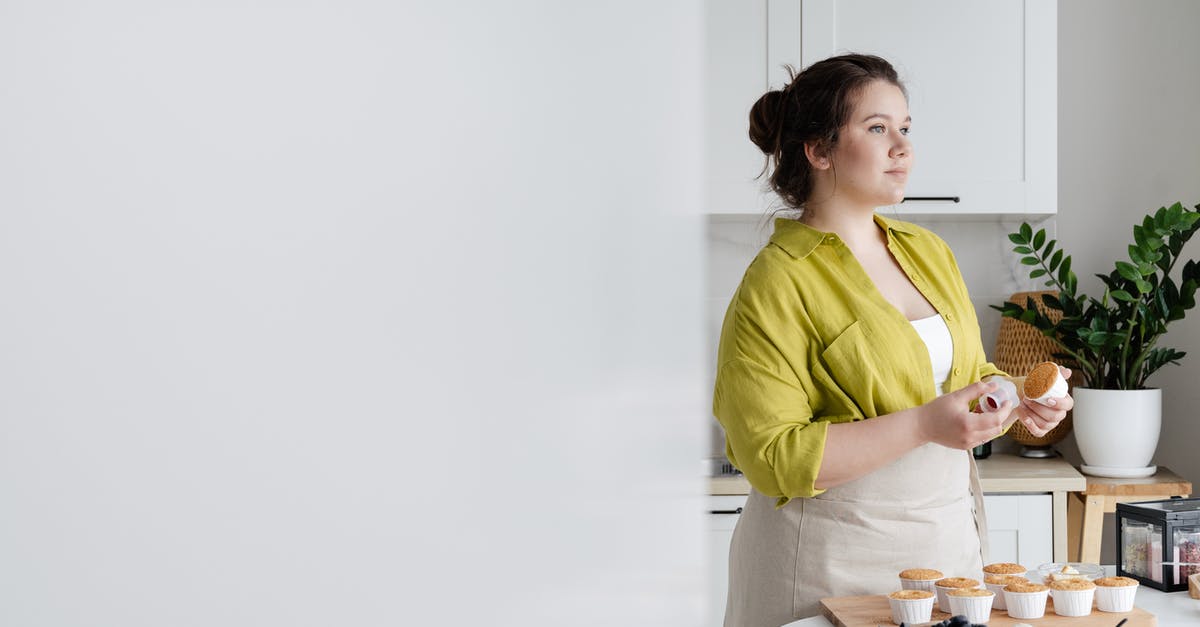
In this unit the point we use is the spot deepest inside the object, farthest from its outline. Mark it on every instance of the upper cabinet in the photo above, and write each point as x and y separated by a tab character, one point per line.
981	78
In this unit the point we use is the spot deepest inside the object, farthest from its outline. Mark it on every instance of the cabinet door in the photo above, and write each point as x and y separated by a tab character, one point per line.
1020	528
982	82
735	77
722	518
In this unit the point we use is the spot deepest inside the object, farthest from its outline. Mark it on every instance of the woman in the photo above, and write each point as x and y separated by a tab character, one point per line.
849	361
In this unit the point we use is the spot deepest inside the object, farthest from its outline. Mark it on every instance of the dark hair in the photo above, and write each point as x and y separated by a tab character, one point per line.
814	105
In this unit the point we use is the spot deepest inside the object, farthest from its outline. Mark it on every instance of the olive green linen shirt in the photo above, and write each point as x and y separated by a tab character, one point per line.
808	340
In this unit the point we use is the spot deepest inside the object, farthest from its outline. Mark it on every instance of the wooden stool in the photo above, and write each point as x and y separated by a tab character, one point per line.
1101	497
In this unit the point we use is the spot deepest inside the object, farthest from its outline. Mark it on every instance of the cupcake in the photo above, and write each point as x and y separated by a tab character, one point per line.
919	578
911	606
1115	594
1026	600
1073	597
951	583
996	584
974	603
1045	382
1004	568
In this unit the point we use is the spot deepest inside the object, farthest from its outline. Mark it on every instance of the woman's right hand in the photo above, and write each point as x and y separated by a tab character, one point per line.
949	421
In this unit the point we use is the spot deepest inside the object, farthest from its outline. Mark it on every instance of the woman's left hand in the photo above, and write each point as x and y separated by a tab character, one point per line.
1040	419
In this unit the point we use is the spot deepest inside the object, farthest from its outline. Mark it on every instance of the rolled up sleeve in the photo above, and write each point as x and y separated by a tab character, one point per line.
770	433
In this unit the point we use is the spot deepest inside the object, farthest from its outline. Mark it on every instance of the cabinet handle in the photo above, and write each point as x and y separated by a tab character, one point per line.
726	511
934	198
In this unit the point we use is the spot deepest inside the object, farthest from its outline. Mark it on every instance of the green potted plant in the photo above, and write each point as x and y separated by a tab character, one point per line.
1113	340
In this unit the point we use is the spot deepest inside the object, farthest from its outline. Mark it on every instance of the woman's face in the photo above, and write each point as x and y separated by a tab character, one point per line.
873	155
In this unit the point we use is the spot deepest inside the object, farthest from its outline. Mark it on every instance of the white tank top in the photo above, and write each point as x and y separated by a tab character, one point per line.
936	335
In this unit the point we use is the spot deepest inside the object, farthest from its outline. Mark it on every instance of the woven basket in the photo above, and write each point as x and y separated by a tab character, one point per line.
1020	347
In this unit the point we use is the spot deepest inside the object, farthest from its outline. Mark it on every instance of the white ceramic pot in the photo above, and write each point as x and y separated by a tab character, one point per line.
1117	430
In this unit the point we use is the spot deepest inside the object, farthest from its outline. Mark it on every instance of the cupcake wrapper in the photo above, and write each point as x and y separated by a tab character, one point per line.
1073	602
1026	605
976	609
1113	599
917	584
911	611
998	601
943	604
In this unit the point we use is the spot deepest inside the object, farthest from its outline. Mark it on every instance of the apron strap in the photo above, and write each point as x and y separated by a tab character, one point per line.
980	515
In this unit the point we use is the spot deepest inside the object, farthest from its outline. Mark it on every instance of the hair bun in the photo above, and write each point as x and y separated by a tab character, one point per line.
764	121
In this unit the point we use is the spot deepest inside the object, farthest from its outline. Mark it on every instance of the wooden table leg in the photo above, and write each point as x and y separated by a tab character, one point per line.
1074	526
1093	528
1060	526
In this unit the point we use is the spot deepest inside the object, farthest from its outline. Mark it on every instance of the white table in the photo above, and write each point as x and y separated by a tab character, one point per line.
1172	608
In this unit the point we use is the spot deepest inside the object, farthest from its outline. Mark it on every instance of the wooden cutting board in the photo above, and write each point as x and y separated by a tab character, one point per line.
873	610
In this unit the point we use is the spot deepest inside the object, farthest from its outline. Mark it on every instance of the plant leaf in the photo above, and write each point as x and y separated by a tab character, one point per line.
1160	219
1039	239
1128	271
1055	260
1122	295
1144	287
1037	273
1022	250
1064	271
1030	261
1026	232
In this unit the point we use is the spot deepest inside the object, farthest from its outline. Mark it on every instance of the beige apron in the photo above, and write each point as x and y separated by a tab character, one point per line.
917	512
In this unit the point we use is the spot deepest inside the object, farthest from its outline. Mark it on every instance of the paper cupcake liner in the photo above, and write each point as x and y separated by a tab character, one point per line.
943	603
1026	605
976	609
1115	599
911	611
998	601
1057	390
917	584
1073	602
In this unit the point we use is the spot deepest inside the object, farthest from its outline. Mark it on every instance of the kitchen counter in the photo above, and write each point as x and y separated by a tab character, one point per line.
1171	608
999	474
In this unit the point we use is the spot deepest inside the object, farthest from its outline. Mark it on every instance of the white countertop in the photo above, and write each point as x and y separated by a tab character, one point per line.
1173	609
998	474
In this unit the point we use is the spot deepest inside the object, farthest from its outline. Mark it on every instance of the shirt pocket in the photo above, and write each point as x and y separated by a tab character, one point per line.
854	365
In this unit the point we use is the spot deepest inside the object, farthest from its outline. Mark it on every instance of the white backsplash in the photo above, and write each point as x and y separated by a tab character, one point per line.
991	270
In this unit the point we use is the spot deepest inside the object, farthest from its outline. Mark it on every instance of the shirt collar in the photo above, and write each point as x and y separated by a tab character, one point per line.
799	240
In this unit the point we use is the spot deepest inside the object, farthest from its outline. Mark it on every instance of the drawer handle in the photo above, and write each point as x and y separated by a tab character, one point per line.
933	198
726	511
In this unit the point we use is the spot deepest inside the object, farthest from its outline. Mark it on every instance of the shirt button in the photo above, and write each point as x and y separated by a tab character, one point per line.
949	316
958	371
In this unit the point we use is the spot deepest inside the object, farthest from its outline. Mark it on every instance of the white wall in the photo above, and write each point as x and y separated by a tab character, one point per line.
350	313
1129	142
1129	81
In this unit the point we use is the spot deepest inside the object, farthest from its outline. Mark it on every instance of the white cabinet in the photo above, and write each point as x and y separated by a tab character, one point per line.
1020	528
735	77
982	81
748	43
722	517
